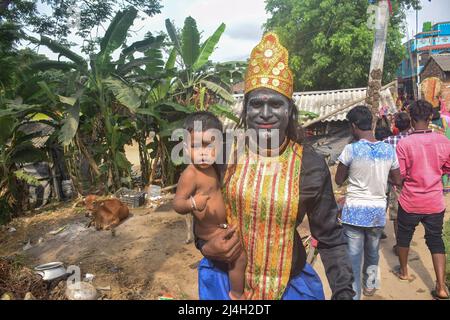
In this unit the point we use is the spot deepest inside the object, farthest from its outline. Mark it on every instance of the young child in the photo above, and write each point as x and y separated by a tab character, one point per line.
199	190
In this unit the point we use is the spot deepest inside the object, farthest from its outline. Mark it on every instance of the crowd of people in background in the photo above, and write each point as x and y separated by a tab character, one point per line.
401	169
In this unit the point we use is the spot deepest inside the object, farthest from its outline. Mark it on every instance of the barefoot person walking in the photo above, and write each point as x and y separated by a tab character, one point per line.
424	156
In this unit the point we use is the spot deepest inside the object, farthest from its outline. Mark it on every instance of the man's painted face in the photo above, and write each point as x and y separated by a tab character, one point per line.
268	113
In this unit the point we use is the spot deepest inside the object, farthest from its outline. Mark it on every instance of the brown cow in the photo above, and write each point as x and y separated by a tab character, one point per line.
106	214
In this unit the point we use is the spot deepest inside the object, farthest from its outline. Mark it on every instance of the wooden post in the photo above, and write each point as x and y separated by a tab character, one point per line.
377	63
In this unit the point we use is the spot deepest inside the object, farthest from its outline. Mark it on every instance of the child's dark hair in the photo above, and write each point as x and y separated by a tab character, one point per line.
402	121
361	117
421	110
382	133
206	119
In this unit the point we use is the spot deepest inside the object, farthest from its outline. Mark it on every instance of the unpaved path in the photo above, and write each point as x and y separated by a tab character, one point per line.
146	259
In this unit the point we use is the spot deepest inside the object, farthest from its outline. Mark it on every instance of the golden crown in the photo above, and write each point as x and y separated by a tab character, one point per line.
269	67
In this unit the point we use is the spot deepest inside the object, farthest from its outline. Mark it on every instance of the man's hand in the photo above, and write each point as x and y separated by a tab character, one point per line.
200	201
225	247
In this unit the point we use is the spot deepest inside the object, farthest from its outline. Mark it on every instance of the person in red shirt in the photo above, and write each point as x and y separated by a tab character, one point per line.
424	156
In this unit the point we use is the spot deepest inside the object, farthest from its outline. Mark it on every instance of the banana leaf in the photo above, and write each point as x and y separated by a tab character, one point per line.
70	125
29	179
122	161
156	62
116	34
208	48
168	128
308	114
18	110
123	93
46	65
173	35
144	45
126	68
68	100
224	111
176	107
170	64
7	125
44	86
218	90
148	112
190	46
63	50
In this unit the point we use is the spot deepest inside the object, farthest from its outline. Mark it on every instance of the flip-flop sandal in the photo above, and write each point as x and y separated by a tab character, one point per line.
436	297
399	276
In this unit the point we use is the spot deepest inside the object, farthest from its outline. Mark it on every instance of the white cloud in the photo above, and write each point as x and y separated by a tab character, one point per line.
243	19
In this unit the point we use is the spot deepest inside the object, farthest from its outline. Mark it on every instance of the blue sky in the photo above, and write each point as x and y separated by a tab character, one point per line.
244	20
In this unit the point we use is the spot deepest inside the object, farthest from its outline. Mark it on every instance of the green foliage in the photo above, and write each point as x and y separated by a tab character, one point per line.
116	34
16	149
58	17
126	95
190	45
22	175
197	83
208	47
330	43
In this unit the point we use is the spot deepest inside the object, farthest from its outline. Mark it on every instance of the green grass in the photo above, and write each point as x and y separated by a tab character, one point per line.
447	246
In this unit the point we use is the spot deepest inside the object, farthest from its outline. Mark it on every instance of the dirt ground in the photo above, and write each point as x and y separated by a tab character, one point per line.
147	258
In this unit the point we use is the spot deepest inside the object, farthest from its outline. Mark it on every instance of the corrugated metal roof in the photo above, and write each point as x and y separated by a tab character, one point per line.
325	102
443	60
44	130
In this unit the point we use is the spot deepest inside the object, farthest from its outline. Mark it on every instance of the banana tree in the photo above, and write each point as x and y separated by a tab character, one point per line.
148	92
95	102
196	82
16	149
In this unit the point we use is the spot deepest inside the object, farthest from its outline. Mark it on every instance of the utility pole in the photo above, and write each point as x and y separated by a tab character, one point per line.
377	63
419	93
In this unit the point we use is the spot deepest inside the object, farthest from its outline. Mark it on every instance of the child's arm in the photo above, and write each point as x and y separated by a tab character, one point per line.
185	189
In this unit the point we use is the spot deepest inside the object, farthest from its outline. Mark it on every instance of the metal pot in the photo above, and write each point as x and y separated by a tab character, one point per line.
81	291
51	271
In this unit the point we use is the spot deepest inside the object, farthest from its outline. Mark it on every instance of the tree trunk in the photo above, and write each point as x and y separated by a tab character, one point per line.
143	158
154	165
88	156
377	63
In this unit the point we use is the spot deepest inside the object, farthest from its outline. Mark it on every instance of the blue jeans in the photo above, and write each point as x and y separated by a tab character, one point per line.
363	243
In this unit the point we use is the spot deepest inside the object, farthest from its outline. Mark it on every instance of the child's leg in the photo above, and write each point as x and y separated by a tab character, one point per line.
236	274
